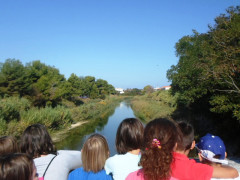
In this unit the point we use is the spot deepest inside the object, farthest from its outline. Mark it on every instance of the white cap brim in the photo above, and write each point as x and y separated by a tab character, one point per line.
210	156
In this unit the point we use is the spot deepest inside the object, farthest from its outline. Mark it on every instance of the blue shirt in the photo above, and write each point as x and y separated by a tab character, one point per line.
80	173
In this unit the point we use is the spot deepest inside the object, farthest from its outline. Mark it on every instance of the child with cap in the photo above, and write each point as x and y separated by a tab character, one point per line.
189	169
212	151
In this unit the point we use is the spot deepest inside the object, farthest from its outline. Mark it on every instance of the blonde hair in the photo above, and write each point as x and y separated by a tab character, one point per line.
95	152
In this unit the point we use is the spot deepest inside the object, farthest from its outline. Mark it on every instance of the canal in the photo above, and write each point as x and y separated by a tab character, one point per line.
107	128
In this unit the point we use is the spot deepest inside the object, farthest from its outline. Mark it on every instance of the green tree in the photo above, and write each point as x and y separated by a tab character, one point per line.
13	79
208	66
148	89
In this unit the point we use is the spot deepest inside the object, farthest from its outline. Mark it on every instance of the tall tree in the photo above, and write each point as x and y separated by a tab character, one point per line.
209	65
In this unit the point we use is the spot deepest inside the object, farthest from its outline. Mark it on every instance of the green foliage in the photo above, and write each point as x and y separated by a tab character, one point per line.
164	97
208	67
221	104
148	89
13	79
11	107
133	92
154	105
46	86
53	118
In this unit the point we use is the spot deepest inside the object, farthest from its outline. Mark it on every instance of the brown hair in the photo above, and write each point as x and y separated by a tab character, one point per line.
129	135
36	141
186	136
16	167
156	159
95	152
8	145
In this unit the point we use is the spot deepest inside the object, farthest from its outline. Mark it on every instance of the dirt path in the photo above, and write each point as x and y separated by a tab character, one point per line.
56	137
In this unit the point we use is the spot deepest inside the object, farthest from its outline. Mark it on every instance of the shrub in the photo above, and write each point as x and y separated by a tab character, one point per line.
11	107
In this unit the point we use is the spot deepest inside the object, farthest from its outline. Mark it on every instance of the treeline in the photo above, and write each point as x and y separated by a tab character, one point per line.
44	86
208	70
206	80
38	93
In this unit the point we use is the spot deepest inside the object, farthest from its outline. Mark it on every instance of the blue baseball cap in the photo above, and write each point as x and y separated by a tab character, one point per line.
210	146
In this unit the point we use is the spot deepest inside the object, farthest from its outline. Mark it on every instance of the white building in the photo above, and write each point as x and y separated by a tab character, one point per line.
120	90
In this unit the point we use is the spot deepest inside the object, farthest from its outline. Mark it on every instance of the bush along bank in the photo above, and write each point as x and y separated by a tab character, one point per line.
17	113
153	105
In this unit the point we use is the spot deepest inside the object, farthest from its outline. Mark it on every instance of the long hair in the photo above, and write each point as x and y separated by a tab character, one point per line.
8	145
36	141
16	167
129	135
95	152
160	137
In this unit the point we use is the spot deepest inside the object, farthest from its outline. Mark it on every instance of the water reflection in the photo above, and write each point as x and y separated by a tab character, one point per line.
105	126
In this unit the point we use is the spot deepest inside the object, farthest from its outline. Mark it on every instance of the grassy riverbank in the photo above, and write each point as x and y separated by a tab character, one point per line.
16	114
153	105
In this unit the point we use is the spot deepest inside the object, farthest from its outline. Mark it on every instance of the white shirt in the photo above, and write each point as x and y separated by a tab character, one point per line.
120	165
63	163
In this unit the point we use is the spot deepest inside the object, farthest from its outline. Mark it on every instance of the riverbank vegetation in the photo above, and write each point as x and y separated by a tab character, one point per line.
18	113
37	93
207	78
153	105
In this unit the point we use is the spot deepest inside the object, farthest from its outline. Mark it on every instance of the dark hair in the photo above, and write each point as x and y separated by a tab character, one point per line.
129	135
95	152
16	167
36	141
156	159
186	133
8	145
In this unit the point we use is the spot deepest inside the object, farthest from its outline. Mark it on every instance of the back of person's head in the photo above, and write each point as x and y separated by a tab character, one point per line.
8	145
160	138
95	152
129	135
17	167
212	149
186	136
36	141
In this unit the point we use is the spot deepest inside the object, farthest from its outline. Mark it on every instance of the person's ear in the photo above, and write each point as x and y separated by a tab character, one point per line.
200	157
193	145
175	147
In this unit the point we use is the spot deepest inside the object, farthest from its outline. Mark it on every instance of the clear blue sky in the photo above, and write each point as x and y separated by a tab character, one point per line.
129	43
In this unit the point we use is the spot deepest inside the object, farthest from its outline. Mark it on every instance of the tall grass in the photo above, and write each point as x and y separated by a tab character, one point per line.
153	105
16	114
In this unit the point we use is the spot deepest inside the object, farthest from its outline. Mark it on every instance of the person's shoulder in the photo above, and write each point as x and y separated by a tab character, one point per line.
68	152
77	171
136	175
43	159
114	158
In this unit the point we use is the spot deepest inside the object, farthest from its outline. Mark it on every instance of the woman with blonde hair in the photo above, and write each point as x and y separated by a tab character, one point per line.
95	151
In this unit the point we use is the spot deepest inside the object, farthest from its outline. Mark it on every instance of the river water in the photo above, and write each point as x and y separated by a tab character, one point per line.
108	129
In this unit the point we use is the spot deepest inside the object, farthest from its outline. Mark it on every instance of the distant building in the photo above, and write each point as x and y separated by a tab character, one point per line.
165	87
162	88
120	90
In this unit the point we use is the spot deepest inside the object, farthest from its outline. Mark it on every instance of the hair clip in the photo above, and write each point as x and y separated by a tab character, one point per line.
156	143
